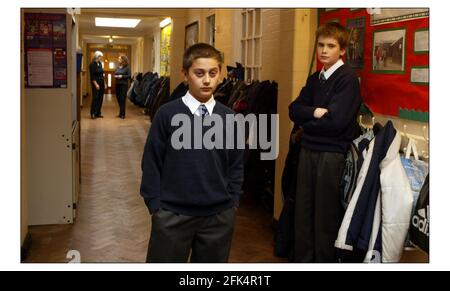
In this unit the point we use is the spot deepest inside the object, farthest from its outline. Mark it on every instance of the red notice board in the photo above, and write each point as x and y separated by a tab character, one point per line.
389	50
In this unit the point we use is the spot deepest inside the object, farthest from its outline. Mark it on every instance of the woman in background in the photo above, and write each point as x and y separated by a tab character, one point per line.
122	75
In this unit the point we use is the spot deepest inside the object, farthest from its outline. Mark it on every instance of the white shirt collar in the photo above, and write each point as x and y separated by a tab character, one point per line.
193	103
331	69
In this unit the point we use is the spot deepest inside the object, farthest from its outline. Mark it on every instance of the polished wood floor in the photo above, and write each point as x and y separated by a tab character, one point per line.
113	224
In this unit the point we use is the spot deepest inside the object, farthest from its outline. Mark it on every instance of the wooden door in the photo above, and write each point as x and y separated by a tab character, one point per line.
111	54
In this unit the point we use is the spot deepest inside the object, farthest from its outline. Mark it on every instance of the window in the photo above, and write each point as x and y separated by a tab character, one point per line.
251	43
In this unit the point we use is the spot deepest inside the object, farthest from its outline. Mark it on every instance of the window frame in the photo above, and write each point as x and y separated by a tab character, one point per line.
251	42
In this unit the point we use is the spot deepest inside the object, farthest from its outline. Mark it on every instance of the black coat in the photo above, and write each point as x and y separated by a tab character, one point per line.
284	236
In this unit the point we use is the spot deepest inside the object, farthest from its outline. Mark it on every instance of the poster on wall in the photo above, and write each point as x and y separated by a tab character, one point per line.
45	50
59	33
355	47
60	68
420	75
32	33
389	51
39	67
421	41
45	34
165	50
389	15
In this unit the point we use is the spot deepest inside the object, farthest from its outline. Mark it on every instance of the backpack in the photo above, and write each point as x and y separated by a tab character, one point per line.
419	229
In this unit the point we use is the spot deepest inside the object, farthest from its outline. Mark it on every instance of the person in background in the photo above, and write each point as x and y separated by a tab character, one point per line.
98	85
122	75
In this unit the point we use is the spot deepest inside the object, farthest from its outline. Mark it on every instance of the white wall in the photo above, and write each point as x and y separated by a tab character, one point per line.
271	36
176	55
297	27
137	51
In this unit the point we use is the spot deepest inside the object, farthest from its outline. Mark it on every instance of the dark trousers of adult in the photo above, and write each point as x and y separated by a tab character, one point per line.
318	208
97	99
174	236
121	94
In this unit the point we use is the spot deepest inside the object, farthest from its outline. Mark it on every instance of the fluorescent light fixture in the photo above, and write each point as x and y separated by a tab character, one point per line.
165	22
116	22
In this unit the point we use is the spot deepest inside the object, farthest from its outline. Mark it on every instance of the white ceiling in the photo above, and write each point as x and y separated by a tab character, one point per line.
150	19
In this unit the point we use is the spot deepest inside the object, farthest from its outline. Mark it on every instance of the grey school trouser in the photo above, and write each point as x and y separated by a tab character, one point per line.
174	236
318	209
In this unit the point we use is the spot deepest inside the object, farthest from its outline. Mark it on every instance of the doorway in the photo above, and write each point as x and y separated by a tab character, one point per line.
110	62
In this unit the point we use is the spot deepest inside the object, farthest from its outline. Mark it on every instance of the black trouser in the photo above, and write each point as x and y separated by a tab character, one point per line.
318	209
121	94
173	236
97	98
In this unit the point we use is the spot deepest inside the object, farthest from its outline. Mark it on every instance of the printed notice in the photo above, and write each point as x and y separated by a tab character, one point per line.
419	75
45	44
421	43
40	67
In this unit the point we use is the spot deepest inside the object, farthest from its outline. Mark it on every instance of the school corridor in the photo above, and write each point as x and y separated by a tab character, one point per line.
80	177
113	224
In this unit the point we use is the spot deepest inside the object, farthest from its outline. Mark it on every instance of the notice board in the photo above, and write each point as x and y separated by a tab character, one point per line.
45	44
389	50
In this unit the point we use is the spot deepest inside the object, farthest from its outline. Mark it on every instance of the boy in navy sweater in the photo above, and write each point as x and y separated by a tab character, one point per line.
326	110
191	192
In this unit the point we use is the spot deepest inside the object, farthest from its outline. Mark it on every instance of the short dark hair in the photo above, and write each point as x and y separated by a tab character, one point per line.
334	30
200	50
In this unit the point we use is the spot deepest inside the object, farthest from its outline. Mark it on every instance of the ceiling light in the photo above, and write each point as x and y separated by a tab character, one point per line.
116	22
110	39
165	22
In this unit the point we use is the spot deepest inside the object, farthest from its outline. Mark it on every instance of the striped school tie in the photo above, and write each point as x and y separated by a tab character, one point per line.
203	111
322	78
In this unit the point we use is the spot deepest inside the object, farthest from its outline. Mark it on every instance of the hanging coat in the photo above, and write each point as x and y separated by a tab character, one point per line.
377	218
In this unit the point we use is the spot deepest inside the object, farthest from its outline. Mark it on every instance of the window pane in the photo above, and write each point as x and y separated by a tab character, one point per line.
243	52
244	25
257	21
257	52
248	74
249	52
250	24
